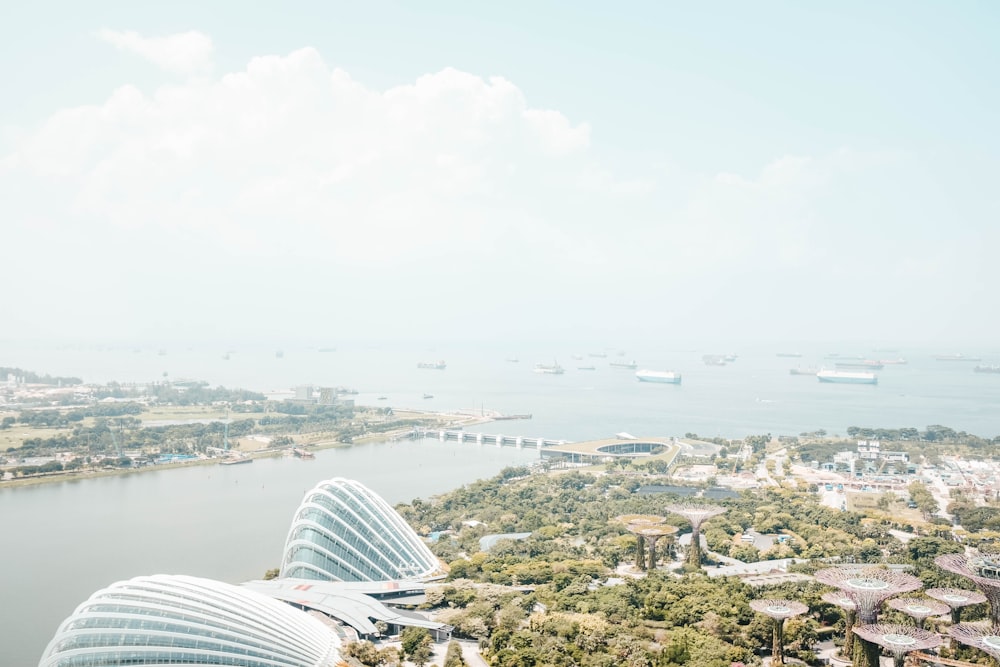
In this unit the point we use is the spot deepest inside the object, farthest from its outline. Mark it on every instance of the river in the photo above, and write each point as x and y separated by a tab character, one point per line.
63	541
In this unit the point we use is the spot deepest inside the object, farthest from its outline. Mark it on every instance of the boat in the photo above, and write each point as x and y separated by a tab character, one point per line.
434	365
956	357
235	460
428	395
982	368
597	355
623	364
714	359
279	354
549	369
327	349
586	368
513	360
663	377
866	365
729	357
509	417
382	398
804	370
577	357
303	454
847	377
794	355
893	362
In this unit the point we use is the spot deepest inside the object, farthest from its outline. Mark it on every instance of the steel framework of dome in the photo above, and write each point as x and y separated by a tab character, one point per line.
344	531
850	615
167	620
956	598
898	639
983	569
984	637
918	608
778	610
696	515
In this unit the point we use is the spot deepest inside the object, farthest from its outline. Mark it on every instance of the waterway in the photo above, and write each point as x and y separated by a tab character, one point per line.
60	542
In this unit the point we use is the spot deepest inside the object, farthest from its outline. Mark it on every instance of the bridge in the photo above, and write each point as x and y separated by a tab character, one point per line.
494	439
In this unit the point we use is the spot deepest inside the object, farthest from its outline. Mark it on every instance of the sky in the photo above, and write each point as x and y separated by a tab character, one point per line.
722	172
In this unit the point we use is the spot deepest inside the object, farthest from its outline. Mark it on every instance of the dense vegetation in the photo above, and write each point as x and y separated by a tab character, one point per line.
555	598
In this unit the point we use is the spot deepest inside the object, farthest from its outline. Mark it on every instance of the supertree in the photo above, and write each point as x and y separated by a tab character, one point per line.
647	536
918	608
956	598
897	639
778	610
867	587
696	514
850	614
984	637
635	523
983	569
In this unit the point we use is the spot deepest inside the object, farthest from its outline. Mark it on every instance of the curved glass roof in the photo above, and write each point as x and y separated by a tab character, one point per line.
168	620
344	531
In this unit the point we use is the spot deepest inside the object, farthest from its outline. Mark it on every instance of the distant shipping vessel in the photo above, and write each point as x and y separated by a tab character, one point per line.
434	365
893	362
549	369
599	355
586	368
981	368
623	364
794	355
664	377
847	377
956	357
808	370
866	365
714	359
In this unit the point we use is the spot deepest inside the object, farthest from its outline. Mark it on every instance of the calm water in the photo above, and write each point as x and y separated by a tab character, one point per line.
755	394
62	542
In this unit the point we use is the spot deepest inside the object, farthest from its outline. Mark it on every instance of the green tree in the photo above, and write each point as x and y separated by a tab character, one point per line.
454	658
416	643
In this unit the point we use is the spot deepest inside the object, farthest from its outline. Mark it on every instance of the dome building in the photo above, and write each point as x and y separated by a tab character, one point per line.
344	531
169	619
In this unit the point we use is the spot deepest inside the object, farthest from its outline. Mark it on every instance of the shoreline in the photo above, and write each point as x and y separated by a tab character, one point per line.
451	419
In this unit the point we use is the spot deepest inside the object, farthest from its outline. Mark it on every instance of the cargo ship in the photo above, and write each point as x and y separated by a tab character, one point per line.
623	364
981	368
434	365
664	377
714	359
865	365
956	357
847	377
893	362
549	369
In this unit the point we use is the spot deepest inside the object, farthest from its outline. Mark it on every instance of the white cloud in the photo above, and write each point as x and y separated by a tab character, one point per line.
291	184
181	53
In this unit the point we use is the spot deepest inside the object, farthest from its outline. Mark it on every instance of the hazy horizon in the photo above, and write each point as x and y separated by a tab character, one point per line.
726	176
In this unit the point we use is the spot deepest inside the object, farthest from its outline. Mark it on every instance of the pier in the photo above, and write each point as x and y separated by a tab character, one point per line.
494	439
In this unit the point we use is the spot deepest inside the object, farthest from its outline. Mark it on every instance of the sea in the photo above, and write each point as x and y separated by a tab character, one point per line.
62	541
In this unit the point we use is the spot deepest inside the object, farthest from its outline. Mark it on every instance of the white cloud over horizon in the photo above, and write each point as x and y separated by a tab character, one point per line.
443	200
180	53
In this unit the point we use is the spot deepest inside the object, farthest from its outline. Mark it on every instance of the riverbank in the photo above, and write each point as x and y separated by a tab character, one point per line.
441	419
